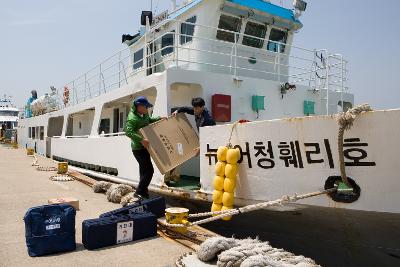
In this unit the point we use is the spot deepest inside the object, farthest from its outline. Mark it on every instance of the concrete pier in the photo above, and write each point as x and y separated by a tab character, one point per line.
22	187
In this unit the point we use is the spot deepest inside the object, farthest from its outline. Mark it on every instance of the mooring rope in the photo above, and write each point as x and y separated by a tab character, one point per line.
217	215
345	121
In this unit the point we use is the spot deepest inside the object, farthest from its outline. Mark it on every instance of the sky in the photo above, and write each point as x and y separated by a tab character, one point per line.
47	42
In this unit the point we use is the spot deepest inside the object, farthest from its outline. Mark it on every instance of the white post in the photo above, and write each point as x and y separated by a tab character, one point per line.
176	45
236	39
100	79
327	83
342	83
279	62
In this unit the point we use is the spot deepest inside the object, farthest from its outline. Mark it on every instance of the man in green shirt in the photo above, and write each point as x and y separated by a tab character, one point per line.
138	118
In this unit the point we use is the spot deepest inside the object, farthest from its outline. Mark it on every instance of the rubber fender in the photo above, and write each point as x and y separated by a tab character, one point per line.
216	207
228	199
229	185
231	170
233	155
221	153
217	196
219	183
220	168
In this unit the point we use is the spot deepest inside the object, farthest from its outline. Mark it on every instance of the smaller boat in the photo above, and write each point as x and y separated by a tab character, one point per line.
8	118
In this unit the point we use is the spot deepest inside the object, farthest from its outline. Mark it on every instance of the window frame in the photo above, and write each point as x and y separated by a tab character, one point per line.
138	64
274	42
262	40
227	32
167	50
185	37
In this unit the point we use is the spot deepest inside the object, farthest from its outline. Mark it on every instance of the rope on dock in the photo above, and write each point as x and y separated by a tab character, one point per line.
248	252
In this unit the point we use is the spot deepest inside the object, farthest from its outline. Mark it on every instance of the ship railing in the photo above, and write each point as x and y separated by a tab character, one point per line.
315	68
112	134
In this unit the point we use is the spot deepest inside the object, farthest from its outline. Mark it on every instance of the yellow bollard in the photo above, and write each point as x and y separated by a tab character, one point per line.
30	151
177	216
15	145
62	167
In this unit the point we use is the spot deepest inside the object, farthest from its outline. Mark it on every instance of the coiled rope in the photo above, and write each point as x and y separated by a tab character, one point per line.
345	121
248	252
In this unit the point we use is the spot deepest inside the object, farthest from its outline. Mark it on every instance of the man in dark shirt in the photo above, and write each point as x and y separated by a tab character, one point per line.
203	118
201	114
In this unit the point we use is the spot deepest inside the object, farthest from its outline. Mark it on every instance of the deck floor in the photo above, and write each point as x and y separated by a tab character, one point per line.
22	187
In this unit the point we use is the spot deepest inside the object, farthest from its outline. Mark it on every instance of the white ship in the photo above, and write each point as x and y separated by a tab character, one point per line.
240	57
8	114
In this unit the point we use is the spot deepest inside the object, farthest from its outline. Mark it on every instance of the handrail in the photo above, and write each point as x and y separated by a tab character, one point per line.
117	69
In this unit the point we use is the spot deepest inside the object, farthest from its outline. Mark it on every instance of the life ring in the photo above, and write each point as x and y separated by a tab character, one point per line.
66	95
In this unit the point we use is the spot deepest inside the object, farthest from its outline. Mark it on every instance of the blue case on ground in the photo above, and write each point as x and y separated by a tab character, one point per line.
154	205
114	230
50	229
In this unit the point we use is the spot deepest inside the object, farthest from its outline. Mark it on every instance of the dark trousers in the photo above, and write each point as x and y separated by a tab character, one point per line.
146	170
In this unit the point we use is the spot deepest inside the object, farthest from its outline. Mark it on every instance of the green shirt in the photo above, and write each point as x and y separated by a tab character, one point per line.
135	122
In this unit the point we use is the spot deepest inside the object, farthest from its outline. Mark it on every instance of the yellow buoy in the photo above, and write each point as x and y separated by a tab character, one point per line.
228	199
233	155
219	183
221	153
217	196
229	185
220	168
226	218
231	170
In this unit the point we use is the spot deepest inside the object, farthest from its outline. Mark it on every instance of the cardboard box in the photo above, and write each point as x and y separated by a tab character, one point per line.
67	200
172	141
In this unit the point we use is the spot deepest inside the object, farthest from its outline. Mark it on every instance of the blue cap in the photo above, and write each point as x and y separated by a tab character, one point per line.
141	100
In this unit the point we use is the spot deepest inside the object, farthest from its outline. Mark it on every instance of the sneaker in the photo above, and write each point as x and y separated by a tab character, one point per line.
141	196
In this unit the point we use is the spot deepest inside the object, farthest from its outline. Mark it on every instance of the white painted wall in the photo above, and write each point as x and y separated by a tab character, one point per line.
379	184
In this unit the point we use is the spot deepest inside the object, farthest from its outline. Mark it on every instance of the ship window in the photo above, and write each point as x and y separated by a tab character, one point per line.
275	38
104	126
30	132
256	30
187	30
228	25
167	44
138	59
41	132
33	133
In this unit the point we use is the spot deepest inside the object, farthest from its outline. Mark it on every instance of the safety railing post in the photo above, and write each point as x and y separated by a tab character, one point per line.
100	75
327	82
236	40
84	91
342	82
119	69
177	44
279	63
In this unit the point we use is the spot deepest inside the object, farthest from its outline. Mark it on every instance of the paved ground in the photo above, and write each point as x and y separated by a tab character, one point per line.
23	187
